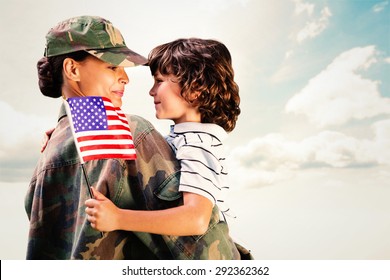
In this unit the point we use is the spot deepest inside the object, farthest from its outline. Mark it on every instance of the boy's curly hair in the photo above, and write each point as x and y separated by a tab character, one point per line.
203	66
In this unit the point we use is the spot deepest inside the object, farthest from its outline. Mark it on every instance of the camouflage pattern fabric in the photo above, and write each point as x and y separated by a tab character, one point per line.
55	203
95	35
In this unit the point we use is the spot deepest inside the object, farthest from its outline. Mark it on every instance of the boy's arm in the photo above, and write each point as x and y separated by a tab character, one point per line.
191	218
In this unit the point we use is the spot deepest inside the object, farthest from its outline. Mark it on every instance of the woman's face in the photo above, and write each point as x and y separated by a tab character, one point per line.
98	78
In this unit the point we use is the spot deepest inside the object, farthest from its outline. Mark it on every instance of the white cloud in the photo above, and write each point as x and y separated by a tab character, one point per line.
274	158
288	54
380	6
19	142
283	73
18	127
301	7
381	149
387	60
339	94
314	27
220	5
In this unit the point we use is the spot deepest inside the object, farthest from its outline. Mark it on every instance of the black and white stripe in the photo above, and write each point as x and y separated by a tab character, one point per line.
200	150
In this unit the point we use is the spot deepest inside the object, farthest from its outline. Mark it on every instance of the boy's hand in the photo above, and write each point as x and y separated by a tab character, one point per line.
46	138
101	212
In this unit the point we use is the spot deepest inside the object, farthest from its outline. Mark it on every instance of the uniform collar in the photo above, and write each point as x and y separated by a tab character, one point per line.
62	112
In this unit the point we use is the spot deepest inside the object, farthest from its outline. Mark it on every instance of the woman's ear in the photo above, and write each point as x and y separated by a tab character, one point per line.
71	69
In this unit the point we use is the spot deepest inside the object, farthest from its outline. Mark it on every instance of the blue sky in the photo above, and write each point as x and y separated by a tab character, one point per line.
311	151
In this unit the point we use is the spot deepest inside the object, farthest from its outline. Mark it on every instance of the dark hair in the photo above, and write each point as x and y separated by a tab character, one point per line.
203	66
50	72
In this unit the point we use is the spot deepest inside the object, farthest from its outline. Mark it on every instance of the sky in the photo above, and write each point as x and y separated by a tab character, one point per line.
309	159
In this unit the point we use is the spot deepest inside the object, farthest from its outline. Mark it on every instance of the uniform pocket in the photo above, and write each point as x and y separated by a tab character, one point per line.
215	244
167	194
169	189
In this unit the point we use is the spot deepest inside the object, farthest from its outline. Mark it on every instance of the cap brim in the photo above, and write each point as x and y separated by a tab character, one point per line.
121	56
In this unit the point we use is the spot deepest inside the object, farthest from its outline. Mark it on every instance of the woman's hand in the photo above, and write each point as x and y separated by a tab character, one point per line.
101	212
46	138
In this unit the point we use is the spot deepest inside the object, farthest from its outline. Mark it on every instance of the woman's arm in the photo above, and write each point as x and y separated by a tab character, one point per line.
191	218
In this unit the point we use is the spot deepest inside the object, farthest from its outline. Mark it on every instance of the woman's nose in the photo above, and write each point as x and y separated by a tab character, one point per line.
123	78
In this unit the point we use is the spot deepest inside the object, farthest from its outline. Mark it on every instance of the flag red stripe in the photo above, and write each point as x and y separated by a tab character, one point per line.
106	147
118	127
103	137
105	98
115	118
111	108
105	156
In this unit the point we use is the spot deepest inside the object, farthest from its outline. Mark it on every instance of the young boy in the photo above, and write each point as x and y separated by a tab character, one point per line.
194	87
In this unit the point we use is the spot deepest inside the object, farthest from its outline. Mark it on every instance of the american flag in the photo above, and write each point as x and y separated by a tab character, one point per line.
101	130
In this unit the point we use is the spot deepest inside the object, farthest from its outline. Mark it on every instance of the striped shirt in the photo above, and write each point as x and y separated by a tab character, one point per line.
199	149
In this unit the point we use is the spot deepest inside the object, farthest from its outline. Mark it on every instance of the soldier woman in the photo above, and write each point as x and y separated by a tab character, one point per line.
86	56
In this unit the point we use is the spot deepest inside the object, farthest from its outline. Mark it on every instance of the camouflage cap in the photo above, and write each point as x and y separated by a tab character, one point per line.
95	35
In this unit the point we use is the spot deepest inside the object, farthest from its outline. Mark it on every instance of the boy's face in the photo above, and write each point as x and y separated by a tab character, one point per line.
169	103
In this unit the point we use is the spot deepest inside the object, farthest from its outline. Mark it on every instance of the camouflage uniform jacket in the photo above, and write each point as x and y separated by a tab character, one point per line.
55	202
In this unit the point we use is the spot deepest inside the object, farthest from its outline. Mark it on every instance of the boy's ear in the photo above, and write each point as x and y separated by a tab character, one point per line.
194	96
71	69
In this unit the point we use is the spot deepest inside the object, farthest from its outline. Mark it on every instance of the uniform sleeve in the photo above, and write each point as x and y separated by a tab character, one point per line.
55	202
157	180
158	169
